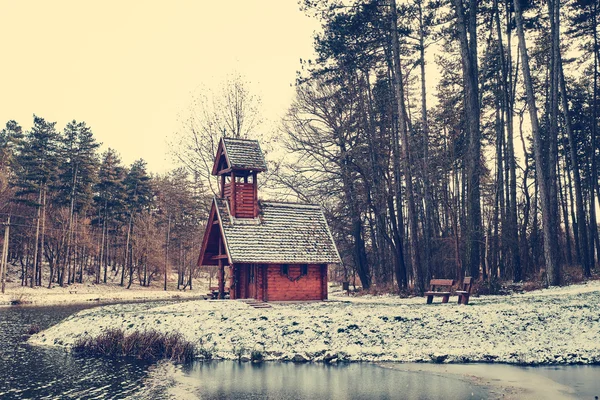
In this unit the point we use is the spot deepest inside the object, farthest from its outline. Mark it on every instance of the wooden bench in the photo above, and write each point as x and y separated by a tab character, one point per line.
213	292
463	295
439	287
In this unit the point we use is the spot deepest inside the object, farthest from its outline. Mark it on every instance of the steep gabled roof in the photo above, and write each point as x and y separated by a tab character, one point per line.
239	154
284	233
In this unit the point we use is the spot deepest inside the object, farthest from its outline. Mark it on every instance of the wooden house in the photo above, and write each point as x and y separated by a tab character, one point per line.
273	251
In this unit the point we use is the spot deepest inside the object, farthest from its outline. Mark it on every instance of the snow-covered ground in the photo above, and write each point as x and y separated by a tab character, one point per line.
557	325
88	292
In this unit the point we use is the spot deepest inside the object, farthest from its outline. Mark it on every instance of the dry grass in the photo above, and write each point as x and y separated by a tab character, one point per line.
572	274
33	329
16	299
146	345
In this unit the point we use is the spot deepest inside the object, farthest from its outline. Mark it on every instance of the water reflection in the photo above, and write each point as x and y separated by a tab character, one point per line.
223	380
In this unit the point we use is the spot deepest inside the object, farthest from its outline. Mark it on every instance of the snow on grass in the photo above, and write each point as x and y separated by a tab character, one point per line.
86	292
558	325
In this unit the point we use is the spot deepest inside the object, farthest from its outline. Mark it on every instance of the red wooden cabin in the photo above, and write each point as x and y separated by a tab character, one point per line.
274	251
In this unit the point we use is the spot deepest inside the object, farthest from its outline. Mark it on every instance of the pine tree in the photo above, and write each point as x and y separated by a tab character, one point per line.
78	173
38	168
109	203
10	137
138	191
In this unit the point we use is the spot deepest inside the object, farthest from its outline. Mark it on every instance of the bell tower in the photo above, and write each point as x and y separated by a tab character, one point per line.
237	164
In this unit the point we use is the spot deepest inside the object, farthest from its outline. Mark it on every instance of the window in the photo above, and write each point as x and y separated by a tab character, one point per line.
284	269
304	269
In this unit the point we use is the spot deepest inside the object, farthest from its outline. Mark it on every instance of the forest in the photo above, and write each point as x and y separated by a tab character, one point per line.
442	138
75	215
492	173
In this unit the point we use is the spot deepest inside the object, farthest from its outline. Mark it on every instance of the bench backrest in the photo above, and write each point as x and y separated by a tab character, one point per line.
467	283
441	282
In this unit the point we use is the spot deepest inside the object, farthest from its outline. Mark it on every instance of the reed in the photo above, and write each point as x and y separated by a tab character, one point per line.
147	345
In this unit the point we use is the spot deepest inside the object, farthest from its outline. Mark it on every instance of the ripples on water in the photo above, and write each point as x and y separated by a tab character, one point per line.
32	372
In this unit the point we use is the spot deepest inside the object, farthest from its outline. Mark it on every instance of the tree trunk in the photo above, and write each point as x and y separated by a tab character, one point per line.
548	224
581	216
468	47
127	240
167	252
37	241
4	261
428	198
510	232
42	240
403	129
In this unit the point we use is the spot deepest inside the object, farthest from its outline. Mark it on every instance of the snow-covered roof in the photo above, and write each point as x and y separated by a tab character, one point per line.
282	233
244	154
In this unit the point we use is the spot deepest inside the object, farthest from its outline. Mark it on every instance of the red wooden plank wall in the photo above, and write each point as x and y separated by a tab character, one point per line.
308	287
244	199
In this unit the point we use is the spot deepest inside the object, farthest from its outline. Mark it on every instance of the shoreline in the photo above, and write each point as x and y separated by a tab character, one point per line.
560	326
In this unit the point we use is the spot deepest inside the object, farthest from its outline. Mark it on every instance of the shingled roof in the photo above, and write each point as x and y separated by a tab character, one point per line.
283	233
239	154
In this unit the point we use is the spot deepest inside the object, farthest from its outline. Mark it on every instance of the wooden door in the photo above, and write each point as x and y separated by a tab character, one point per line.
252	281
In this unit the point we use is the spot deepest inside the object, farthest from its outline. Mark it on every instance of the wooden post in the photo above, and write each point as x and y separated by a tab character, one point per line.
232	283
324	287
4	263
266	282
232	198
255	188
221	271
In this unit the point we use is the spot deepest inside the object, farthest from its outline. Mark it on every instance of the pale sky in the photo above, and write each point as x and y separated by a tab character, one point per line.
128	68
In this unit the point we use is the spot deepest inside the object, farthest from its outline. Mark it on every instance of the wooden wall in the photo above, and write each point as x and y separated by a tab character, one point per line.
270	285
245	199
312	286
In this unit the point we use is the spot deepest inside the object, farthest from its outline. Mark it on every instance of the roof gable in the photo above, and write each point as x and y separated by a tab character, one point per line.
213	234
238	154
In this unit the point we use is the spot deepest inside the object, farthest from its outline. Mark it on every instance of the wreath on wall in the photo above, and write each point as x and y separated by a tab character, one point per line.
285	270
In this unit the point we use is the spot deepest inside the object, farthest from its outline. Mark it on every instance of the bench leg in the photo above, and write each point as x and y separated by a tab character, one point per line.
460	298
429	299
445	298
465	299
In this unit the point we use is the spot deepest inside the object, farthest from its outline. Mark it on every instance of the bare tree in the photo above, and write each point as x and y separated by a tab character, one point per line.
231	111
548	223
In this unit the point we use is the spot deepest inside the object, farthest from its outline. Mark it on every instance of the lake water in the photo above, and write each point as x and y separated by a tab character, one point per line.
31	372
